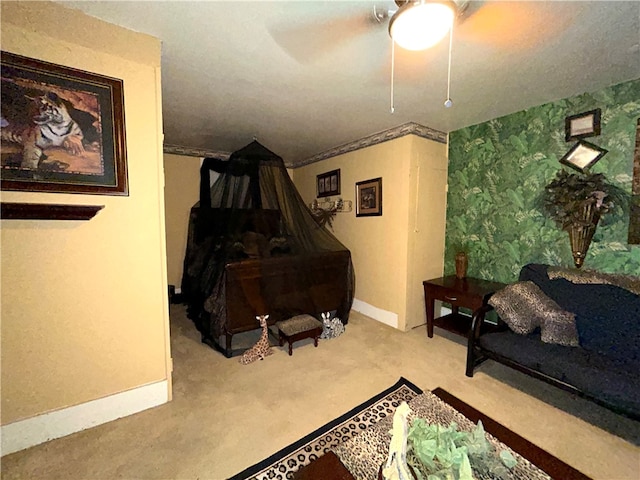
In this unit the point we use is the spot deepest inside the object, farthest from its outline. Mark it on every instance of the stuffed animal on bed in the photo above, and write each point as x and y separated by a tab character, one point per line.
331	327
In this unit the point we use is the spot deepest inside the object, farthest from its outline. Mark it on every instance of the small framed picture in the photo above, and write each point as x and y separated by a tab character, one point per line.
582	125
369	198
583	155
328	183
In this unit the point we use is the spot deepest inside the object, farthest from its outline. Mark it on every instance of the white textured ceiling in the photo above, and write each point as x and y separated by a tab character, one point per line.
305	76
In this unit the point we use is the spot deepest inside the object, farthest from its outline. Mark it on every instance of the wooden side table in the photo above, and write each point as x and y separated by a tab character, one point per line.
468	292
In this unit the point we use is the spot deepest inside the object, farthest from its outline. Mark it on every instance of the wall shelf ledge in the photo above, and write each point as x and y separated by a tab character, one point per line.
47	211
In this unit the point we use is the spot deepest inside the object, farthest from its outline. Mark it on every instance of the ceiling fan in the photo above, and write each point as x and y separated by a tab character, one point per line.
412	25
420	24
312	39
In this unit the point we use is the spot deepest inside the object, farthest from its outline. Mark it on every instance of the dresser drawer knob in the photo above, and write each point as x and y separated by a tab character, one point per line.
453	299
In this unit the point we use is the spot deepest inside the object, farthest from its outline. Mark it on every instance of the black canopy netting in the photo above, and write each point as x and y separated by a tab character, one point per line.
252	211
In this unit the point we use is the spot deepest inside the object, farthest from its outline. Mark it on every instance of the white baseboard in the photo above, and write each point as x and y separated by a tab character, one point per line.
35	430
383	316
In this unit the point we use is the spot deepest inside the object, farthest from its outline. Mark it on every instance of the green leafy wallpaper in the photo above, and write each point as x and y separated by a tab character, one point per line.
498	168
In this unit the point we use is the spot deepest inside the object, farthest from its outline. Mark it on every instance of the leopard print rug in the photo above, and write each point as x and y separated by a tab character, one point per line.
363	454
283	464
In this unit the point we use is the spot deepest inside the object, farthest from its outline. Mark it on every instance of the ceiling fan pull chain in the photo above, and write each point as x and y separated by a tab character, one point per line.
448	103
393	62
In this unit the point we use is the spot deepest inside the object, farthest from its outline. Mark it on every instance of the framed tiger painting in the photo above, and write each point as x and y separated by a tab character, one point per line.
62	129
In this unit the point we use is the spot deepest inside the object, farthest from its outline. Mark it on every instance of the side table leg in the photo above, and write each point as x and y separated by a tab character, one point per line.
430	306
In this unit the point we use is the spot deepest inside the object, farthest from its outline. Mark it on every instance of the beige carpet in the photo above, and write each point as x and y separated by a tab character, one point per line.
225	416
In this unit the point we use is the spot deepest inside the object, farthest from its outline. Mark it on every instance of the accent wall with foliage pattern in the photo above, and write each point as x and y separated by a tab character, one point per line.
497	170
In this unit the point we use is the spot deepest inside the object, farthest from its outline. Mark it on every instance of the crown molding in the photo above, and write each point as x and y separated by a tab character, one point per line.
410	128
195	152
376	138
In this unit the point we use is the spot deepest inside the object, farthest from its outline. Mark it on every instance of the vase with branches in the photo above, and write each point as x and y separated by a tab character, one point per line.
576	202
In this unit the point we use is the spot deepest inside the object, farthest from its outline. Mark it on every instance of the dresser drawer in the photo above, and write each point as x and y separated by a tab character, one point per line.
456	298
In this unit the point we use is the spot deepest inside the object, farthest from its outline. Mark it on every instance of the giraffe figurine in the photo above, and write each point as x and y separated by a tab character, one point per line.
262	348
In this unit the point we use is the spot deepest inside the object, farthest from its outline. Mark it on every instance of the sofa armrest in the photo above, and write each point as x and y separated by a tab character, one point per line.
477	320
474	356
476	324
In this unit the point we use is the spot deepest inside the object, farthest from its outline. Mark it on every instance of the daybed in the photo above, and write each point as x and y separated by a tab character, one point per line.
604	361
253	248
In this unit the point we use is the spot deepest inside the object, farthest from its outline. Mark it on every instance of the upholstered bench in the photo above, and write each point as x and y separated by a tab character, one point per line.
298	328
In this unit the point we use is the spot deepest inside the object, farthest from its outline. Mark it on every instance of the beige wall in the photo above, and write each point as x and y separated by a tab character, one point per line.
426	222
181	191
84	311
385	249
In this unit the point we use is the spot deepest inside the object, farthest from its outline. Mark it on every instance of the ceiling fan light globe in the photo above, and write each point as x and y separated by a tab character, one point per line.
419	25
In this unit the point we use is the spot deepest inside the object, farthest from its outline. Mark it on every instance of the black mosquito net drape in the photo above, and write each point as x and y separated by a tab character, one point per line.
254	212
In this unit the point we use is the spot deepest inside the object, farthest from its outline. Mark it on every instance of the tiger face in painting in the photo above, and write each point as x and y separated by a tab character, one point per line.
51	126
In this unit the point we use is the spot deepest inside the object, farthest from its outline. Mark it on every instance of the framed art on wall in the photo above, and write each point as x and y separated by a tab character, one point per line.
369	198
328	183
582	125
634	217
583	155
63	129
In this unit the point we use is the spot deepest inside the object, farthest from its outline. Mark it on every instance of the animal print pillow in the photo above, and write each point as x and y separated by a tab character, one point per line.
515	303
524	307
560	328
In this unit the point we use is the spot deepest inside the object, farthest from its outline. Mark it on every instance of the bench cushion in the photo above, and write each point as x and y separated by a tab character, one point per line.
298	324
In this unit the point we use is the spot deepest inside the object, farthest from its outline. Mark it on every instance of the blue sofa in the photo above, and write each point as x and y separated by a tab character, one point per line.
604	368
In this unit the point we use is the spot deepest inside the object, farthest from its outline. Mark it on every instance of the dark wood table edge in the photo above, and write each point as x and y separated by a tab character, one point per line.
326	467
542	459
329	466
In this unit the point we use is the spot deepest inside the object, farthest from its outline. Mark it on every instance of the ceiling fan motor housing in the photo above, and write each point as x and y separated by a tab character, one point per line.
420	24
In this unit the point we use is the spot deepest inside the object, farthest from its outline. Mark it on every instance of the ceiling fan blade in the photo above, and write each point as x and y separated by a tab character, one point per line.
313	40
517	25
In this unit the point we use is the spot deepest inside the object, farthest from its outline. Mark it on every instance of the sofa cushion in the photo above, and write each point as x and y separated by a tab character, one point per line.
524	307
607	316
613	382
535	272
